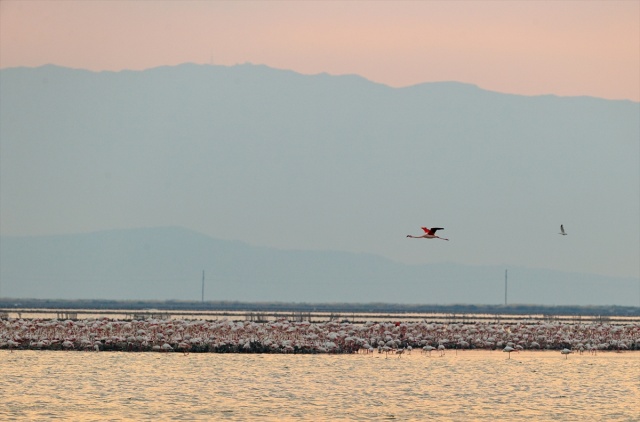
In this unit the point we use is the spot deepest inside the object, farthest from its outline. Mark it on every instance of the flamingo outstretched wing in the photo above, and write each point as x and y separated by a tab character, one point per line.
433	230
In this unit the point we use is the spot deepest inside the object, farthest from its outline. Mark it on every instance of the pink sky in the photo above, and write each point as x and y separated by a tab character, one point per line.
523	47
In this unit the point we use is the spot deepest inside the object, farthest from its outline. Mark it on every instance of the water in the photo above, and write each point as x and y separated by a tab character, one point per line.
467	385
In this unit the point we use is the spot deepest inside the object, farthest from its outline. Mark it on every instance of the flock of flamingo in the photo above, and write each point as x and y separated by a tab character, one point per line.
283	336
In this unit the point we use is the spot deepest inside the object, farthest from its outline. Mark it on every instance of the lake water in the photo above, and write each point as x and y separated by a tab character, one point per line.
467	385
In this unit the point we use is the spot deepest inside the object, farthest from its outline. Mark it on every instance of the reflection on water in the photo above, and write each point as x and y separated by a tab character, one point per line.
469	385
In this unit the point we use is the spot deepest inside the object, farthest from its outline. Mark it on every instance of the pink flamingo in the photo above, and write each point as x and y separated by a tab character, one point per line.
429	234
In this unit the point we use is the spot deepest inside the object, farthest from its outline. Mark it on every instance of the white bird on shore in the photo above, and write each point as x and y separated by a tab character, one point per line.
566	352
508	349
429	234
562	232
428	349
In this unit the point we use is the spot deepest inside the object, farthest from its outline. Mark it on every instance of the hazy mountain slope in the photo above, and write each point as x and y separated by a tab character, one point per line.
279	159
166	263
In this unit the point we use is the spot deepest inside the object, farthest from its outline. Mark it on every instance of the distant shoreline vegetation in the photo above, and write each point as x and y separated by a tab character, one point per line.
344	308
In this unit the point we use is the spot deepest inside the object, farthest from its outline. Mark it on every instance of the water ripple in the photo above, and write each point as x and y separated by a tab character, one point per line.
477	385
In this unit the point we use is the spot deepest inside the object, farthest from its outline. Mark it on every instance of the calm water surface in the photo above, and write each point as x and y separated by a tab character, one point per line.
469	385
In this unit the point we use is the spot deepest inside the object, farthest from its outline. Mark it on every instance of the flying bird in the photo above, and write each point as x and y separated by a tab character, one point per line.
429	234
562	232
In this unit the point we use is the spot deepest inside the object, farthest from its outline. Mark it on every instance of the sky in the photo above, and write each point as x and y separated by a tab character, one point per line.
566	48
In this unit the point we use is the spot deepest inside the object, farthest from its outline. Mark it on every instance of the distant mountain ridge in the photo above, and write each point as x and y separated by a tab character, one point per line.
166	263
296	162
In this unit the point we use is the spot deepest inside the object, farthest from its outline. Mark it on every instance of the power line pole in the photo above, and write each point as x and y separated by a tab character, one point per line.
505	287
202	286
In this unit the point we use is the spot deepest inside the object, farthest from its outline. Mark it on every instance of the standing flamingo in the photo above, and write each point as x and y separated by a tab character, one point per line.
508	349
429	234
428	349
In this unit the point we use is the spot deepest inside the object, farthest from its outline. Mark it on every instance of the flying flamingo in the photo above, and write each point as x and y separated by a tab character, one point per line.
429	234
562	232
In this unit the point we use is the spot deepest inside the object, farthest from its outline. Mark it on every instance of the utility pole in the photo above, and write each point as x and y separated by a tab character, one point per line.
505	287
202	286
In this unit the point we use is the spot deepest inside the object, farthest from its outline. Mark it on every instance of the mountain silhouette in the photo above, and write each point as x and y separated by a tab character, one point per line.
167	263
321	166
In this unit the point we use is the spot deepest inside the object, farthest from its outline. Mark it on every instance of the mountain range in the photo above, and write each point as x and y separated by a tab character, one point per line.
324	175
167	263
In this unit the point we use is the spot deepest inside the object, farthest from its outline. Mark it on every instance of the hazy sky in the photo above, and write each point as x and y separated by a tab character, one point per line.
523	47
